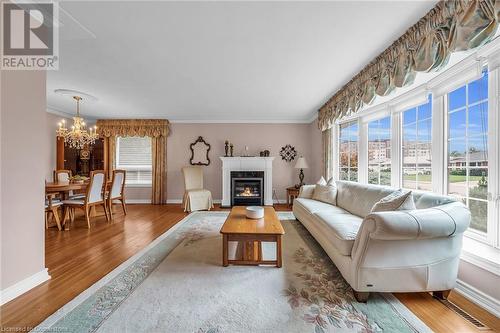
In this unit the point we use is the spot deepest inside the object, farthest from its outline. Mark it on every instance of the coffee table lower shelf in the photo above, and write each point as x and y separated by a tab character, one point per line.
250	248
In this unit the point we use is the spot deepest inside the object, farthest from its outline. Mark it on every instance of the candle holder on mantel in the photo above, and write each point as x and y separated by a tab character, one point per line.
231	149
226	148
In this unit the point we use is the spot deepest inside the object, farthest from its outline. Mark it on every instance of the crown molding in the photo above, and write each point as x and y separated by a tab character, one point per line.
55	111
67	115
233	121
59	113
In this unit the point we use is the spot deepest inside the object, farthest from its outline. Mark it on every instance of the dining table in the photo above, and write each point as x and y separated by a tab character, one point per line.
65	187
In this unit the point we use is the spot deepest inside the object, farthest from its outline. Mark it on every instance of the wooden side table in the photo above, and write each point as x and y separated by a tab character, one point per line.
291	193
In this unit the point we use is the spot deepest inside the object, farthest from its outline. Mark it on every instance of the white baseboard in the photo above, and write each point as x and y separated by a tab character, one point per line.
174	201
23	286
179	201
478	297
137	201
216	201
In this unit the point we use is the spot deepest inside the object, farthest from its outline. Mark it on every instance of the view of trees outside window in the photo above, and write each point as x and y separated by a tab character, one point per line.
348	148
468	148
379	151
417	128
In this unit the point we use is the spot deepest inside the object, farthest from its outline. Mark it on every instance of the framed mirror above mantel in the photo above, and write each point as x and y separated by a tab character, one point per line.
80	161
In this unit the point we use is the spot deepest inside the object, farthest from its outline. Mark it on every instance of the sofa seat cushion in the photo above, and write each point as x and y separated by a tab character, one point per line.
340	228
314	206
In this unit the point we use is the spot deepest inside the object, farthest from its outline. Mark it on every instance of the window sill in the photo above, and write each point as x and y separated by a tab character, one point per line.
482	255
138	185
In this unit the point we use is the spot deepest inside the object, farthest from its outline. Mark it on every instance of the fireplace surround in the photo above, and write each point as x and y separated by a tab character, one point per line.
247	164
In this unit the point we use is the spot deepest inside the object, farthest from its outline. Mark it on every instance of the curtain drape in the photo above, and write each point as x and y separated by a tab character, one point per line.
157	130
159	149
425	47
109	155
327	141
132	127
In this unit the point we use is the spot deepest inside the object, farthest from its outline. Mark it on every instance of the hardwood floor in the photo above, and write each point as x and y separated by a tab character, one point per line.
78	258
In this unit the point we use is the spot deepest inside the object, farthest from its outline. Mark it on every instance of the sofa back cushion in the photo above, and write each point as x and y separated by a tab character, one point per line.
358	199
425	200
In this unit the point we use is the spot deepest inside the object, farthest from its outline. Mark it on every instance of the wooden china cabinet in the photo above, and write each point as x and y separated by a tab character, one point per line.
80	161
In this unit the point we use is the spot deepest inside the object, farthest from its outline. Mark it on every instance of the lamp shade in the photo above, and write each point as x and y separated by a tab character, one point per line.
301	163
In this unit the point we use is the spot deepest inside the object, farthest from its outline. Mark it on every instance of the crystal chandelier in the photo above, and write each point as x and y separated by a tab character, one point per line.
78	137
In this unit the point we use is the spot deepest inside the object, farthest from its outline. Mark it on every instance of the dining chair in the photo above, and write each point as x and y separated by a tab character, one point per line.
52	206
62	176
195	196
93	197
116	193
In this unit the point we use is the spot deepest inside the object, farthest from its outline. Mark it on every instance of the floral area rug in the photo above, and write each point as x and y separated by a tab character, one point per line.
177	284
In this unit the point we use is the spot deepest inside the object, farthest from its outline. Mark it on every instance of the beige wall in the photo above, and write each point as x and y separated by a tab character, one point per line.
23	120
306	138
479	278
256	136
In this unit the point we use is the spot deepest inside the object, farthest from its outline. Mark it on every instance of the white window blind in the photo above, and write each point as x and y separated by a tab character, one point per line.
134	155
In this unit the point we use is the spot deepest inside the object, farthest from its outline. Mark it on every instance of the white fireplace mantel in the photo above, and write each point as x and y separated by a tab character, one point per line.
247	164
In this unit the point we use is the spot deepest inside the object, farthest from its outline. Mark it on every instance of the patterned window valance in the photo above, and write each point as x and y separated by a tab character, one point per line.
425	47
133	127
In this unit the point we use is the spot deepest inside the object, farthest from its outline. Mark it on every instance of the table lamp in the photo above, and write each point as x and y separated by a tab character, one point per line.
301	164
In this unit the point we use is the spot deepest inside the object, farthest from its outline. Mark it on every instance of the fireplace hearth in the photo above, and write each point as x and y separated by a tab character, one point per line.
247	188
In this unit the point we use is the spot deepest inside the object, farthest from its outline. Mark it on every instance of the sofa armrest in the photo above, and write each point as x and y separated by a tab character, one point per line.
435	222
307	191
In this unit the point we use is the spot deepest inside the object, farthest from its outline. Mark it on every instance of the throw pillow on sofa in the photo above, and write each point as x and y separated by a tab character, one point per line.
321	181
397	200
326	193
307	191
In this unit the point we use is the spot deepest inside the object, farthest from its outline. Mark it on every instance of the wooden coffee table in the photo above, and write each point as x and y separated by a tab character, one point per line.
249	233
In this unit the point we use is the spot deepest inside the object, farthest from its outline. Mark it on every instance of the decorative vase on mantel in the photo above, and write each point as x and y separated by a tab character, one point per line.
226	148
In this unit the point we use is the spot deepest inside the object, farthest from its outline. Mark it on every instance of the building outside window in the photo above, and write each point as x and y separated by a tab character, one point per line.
134	155
467	120
416	147
348	151
379	151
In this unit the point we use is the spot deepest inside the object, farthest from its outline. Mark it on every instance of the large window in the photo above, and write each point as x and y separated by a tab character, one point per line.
348	148
448	144
468	148
134	155
416	147
379	151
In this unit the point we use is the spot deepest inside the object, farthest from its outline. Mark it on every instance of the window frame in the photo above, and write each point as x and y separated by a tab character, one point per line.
402	146
439	85
470	232
339	142
132	167
378	120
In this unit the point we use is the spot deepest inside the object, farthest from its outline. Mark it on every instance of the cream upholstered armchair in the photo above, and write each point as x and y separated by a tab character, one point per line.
195	196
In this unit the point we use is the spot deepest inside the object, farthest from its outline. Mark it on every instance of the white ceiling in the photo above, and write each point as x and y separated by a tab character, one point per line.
219	61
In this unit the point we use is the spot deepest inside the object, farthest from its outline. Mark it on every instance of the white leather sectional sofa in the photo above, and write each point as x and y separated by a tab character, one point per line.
393	251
